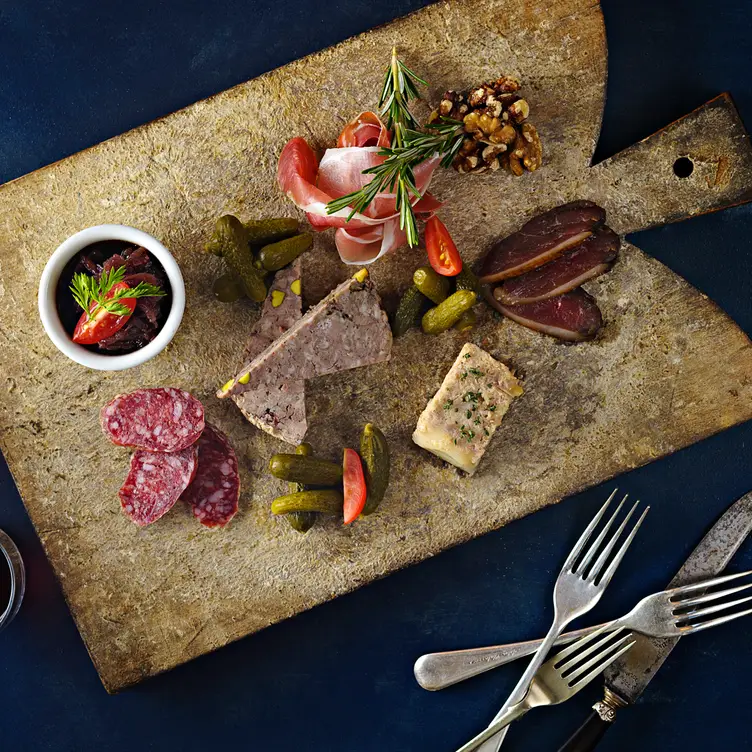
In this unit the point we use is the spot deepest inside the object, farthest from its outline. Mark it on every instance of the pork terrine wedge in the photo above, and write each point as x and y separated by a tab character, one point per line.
459	422
279	409
347	329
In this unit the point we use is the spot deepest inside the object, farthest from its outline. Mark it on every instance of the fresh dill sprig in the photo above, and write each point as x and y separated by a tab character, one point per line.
87	290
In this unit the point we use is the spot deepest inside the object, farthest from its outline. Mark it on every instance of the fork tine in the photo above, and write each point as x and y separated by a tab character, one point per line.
705	584
597	659
599	669
605	578
698	614
697	600
578	654
692	628
576	646
569	563
595	546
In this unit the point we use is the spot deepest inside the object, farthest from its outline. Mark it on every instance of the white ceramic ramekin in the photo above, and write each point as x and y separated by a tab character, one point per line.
48	304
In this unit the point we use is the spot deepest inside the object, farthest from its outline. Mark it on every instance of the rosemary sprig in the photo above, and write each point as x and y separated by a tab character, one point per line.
87	290
410	147
395	174
400	87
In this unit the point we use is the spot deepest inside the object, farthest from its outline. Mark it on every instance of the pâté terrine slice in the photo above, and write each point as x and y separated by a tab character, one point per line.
347	329
279	409
459	422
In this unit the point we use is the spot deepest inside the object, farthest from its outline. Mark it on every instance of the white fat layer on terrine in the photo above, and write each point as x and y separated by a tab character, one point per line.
461	419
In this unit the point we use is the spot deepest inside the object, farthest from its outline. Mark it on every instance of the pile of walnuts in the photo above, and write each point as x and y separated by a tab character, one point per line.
497	132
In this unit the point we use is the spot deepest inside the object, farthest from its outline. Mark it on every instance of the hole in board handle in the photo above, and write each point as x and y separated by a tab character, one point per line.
683	167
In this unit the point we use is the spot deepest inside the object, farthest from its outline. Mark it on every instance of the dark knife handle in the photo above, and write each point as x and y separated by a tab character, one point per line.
587	736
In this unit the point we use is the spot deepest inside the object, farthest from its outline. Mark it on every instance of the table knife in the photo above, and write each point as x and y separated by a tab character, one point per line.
626	678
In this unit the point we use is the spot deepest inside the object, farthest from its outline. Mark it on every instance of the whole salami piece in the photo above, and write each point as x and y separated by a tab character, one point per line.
213	494
155	482
156	420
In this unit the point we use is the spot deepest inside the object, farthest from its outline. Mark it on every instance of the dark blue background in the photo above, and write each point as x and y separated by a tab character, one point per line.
339	677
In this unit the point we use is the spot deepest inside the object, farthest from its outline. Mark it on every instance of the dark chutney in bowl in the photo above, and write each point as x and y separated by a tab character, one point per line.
150	313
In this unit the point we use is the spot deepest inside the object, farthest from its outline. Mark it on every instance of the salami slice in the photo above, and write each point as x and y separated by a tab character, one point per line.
156	420
214	493
155	482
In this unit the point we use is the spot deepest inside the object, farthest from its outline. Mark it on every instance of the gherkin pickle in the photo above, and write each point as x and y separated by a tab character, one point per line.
301	521
445	315
324	500
227	288
431	284
230	240
466	280
409	311
265	231
374	452
308	470
467	321
275	256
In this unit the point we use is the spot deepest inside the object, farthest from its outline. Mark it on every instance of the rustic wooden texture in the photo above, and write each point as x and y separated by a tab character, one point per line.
670	369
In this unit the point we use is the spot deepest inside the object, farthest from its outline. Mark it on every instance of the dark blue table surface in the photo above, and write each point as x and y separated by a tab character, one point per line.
339	677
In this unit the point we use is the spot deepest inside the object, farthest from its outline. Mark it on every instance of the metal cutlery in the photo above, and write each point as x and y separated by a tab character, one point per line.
627	677
659	615
561	677
581	583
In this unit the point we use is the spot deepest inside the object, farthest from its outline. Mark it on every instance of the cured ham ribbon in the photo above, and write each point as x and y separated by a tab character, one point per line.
312	185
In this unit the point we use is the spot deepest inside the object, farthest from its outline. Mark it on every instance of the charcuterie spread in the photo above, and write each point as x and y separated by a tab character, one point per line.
310	334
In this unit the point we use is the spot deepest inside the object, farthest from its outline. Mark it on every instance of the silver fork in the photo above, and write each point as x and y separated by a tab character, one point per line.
657	615
561	677
579	586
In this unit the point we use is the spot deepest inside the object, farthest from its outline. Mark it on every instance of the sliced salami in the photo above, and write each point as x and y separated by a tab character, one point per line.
155	482
156	420
214	493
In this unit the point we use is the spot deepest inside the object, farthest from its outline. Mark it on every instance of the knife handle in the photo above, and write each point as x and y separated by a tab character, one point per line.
588	736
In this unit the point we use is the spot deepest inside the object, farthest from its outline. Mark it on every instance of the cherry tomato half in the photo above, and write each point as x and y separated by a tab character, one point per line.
104	324
354	485
442	252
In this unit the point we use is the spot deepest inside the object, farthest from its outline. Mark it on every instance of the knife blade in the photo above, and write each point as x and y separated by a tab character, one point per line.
627	678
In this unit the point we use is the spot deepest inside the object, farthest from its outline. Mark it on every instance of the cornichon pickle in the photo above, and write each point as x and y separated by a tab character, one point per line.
324	500
431	284
230	240
301	521
409	311
264	231
277	255
374	451
466	280
309	470
227	288
445	315
467	321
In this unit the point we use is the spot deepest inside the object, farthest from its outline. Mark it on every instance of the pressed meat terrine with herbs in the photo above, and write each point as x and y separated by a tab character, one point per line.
459	422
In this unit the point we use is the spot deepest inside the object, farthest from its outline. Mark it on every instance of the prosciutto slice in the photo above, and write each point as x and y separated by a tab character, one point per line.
312	185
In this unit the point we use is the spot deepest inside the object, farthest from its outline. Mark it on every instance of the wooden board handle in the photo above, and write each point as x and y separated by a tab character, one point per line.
700	163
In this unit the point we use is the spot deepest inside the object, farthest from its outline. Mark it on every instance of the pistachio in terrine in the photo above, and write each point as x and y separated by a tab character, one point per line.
459	422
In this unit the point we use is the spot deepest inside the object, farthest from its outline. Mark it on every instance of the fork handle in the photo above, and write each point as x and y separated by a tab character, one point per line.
435	671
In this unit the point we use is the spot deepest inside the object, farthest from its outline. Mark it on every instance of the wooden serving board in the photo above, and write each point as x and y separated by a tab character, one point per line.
670	368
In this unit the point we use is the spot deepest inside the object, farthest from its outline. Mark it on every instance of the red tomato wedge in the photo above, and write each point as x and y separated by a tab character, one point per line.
442	252
104	324
354	484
